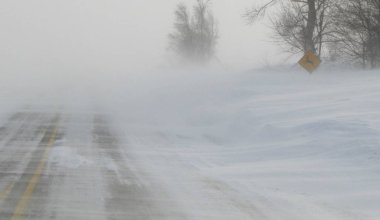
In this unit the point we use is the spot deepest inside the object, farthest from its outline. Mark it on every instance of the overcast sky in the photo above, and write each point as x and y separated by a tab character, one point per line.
117	35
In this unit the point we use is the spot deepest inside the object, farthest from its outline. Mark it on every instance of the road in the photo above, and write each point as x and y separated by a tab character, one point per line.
78	166
70	166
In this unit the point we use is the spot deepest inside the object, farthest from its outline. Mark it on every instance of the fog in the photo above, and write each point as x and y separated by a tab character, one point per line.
97	120
98	36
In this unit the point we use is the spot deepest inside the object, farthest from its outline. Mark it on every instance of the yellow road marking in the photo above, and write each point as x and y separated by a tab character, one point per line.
4	194
27	195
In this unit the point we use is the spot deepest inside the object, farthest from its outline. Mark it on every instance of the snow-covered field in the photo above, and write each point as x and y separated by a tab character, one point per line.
258	145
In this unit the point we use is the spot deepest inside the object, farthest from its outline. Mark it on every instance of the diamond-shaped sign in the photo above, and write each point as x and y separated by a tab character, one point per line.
310	61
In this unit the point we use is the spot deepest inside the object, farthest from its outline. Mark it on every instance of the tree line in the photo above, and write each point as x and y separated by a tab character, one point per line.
335	30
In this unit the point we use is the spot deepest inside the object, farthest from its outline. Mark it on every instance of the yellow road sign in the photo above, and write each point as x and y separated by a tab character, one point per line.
310	61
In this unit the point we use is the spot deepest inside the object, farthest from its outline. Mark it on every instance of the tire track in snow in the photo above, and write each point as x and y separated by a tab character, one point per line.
24	132
15	205
127	198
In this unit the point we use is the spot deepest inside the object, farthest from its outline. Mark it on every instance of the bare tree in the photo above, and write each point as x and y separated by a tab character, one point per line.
181	41
357	31
301	24
195	35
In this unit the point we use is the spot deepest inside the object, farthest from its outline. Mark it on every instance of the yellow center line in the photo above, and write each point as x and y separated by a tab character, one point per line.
27	195
4	194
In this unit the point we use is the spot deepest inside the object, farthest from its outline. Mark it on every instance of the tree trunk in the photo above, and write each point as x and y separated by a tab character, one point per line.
310	27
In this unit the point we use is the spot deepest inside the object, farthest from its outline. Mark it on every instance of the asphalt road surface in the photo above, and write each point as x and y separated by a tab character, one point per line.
61	166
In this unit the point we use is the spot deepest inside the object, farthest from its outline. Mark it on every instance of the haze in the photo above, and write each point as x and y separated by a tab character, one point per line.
99	122
116	35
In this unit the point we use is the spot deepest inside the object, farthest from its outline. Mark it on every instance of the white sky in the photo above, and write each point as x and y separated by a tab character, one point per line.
116	35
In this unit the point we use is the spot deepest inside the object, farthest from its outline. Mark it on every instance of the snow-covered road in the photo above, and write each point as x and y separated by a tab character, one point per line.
73	166
67	166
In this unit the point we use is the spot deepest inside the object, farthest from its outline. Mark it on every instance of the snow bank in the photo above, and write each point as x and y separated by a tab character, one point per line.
295	145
